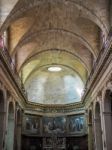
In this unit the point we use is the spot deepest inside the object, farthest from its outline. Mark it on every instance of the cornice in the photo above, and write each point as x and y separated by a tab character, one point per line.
55	108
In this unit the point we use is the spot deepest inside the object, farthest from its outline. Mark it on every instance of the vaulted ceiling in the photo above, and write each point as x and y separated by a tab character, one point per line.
67	33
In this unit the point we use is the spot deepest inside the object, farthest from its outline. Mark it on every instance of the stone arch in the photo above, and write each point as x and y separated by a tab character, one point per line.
18	12
107	117
43	32
33	55
97	126
2	118
10	127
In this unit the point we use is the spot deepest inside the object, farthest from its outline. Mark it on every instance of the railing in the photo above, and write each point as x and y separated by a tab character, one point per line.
104	51
5	54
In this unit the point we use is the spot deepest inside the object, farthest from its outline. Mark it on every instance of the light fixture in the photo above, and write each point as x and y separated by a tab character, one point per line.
54	69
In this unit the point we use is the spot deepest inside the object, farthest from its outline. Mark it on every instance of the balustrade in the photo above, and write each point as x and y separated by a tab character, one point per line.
102	55
7	58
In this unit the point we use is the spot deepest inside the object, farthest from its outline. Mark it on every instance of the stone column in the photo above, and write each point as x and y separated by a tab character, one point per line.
2	129
18	136
10	133
98	134
6	39
41	126
108	129
90	137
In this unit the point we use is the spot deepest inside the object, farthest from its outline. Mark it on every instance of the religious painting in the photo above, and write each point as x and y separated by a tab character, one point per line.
32	124
55	125
77	124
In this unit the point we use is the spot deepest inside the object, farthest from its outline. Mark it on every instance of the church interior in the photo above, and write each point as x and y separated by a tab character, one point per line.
55	74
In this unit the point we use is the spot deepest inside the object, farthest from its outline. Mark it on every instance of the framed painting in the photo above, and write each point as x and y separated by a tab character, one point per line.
32	124
54	125
77	124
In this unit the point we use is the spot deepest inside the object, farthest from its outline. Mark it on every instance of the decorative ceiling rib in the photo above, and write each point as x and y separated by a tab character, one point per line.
87	63
48	58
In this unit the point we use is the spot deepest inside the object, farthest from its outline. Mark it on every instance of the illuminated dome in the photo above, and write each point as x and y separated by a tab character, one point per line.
50	86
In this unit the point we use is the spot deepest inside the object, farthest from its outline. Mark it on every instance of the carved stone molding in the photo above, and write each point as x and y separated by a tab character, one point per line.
99	96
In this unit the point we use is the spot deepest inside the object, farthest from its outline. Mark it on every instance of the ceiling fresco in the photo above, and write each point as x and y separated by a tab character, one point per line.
61	33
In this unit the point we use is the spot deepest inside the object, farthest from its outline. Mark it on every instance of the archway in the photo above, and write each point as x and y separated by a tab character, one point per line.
108	118
10	127
90	131
98	130
2	119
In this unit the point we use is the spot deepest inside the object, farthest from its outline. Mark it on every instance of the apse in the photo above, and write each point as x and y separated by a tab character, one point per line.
54	85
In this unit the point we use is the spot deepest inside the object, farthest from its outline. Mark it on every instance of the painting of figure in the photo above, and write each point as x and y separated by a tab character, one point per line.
76	124
54	125
32	124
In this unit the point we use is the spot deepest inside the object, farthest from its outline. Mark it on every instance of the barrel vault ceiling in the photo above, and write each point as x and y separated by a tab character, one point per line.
66	33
